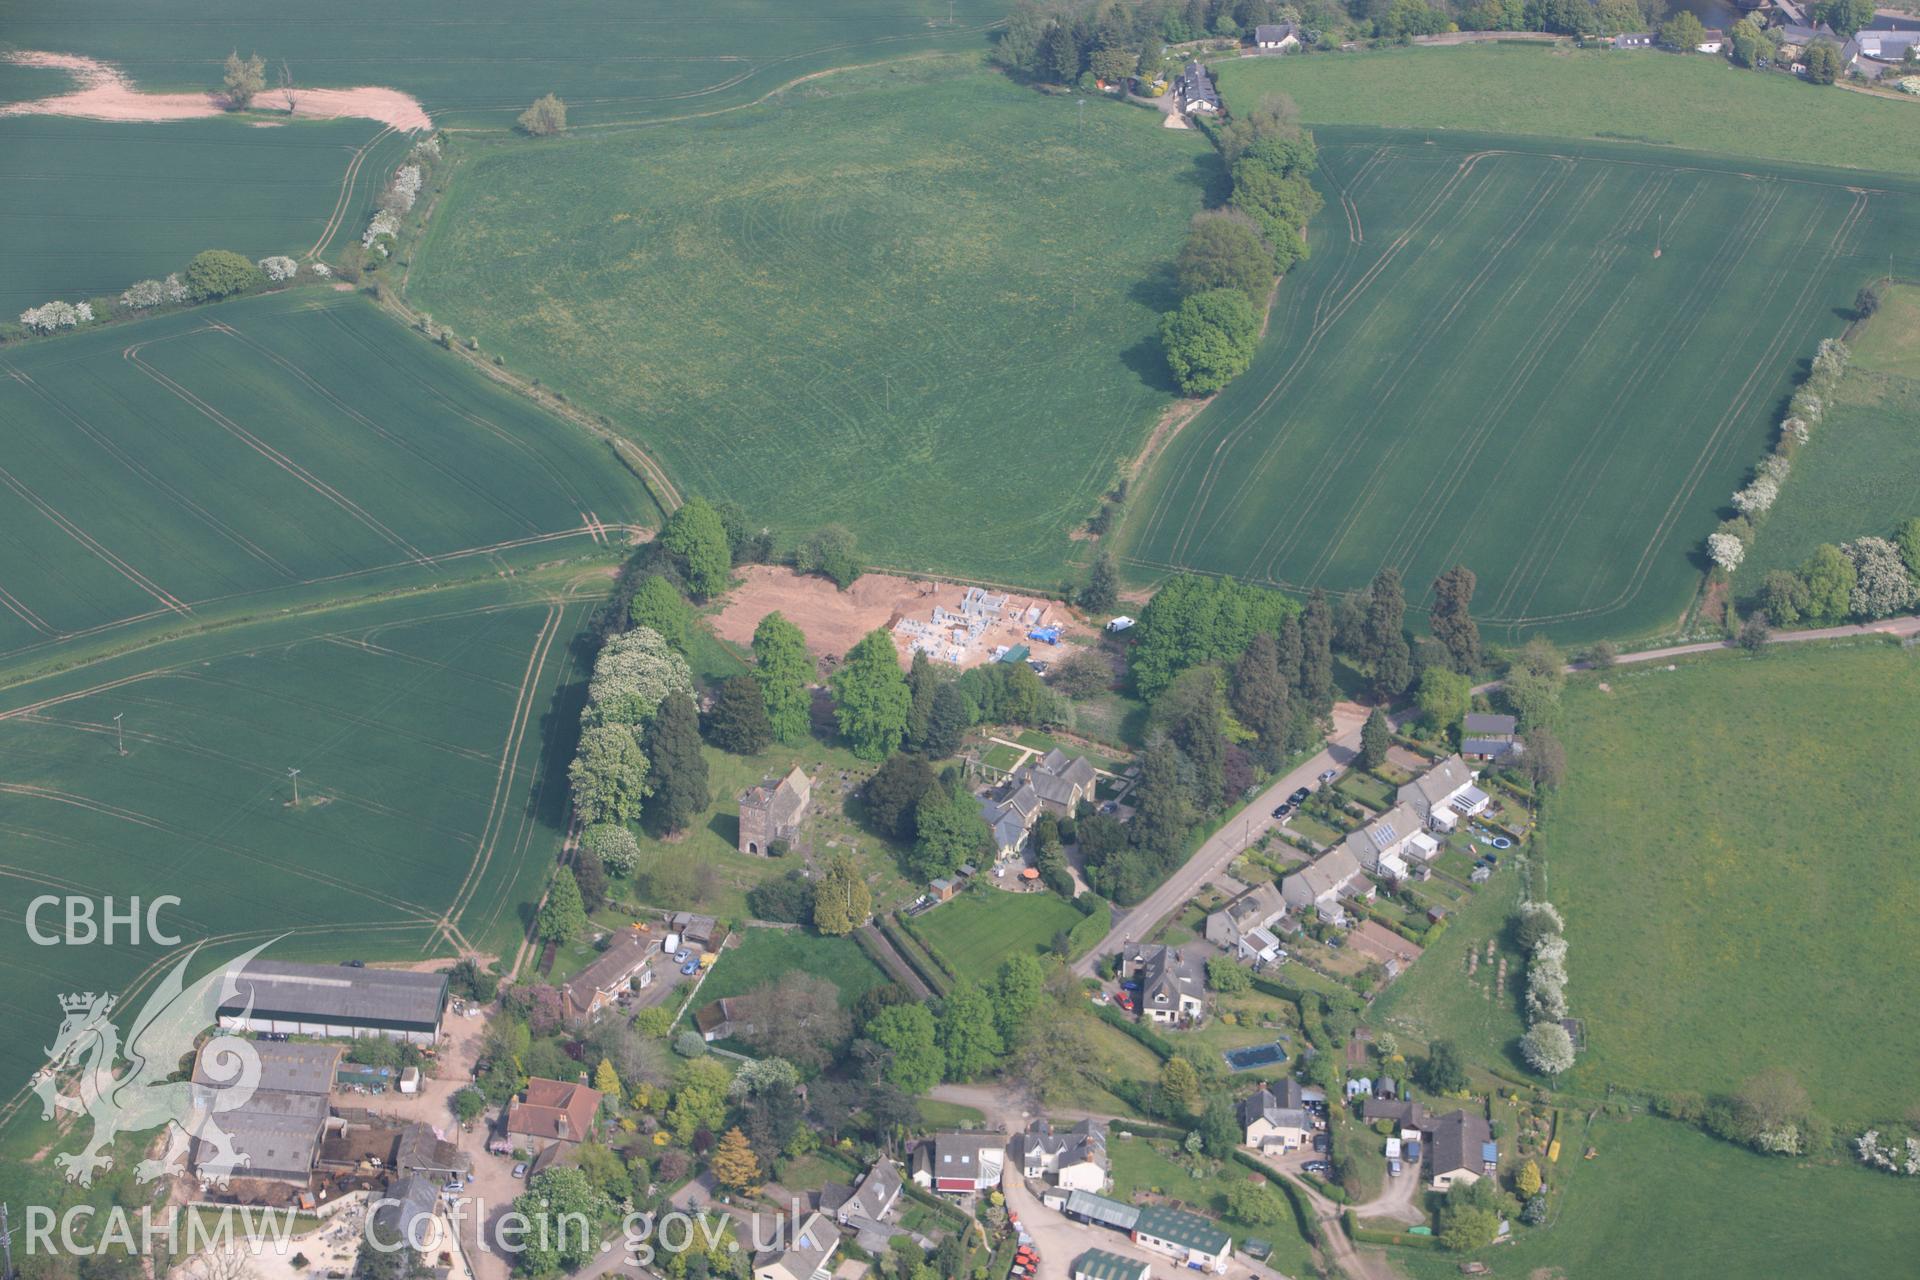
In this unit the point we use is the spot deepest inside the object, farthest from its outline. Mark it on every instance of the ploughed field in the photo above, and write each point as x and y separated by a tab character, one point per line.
919	301
1549	361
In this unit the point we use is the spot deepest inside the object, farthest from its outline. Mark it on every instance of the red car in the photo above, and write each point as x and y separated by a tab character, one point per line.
1125	1001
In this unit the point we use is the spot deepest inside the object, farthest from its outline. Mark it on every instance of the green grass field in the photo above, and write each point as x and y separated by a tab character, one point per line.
1698	103
1890	341
1660	1199
877	300
1728	897
290	447
479	64
90	206
766	954
976	931
1485	362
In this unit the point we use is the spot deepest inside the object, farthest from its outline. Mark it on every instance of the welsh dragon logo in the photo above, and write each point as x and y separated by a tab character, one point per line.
144	1096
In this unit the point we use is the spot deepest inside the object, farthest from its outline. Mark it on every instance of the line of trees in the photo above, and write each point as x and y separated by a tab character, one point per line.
1233	254
1079	42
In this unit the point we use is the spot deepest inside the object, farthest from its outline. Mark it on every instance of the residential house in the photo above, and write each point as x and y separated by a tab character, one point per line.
1386	846
959	1163
1320	884
1075	1158
774	810
1195	92
1172	981
808	1254
1460	1148
1713	40
1489	737
550	1112
1056	783
1191	1240
1445	794
1276	37
621	968
1459	1145
1240	928
1274	1118
865	1210
721	1019
1098	1264
1634	40
1885	45
274	1132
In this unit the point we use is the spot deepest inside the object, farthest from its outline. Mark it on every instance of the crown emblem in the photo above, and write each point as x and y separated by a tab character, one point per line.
83	1002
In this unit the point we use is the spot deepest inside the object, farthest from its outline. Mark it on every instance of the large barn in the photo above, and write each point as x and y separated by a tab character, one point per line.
336	1000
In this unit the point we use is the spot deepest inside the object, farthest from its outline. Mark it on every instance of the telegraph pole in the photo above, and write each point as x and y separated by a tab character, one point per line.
6	1243
295	775
119	734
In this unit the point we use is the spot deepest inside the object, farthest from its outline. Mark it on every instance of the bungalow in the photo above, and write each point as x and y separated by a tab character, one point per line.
1385	845
1634	40
1075	1158
1460	1148
1274	1119
550	1112
1171	981
1319	885
1195	92
621	968
1885	46
1276	37
1444	794
808	1255
1191	1240
1713	40
1240	927
959	1163
1098	1264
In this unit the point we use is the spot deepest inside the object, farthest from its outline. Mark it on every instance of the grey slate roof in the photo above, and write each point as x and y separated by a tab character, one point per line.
284	1066
1280	1103
412	1200
1457	1141
1482	724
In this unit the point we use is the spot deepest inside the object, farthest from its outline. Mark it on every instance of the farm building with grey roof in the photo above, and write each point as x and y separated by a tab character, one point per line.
335	1000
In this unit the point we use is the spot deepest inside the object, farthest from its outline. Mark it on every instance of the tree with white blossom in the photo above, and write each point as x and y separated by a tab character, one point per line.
279	268
1881	584
1547	1048
51	317
1726	550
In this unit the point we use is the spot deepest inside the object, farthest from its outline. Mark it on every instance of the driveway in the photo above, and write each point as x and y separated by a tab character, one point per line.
1230	841
1398	1200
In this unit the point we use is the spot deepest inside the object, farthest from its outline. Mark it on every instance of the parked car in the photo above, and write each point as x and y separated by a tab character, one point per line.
680	956
1329	775
520	1170
690	968
1320	1142
1131	984
1320	1167
1299	795
1393	1168
1283	810
1125	1001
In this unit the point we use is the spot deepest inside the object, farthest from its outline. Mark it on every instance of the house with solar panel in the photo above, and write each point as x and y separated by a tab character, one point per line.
1389	846
1445	794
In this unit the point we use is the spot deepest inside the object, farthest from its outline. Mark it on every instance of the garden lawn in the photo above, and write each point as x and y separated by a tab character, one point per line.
1437	999
1730	898
1551	362
1148	1165
1660	1199
1698	103
765	955
977	930
842	305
